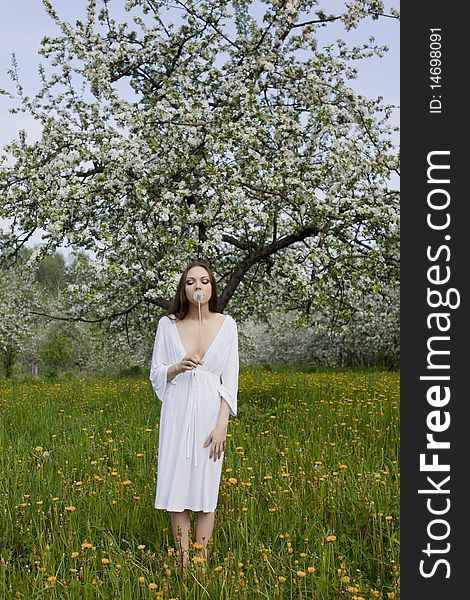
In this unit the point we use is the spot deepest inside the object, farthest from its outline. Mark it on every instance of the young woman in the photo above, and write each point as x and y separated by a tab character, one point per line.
194	372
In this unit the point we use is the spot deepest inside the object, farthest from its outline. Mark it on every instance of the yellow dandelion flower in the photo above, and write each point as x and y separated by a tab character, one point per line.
219	569
127	482
352	590
232	480
311	569
267	477
140	546
52	579
39	449
301	573
141	579
375	593
198	559
87	545
388	518
303	554
345	578
70	508
281	579
105	561
75	554
390	595
198	546
330	538
244	509
152	586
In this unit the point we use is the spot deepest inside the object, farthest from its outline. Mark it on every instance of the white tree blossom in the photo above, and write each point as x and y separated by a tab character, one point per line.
238	140
369	335
18	325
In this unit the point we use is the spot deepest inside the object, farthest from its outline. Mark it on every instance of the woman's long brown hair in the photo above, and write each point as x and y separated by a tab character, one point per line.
179	306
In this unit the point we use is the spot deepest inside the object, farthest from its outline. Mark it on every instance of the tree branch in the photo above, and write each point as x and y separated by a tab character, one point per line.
258	255
81	319
19	244
316	21
242	244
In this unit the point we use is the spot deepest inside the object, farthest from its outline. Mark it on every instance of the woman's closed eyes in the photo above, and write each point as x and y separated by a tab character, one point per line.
191	282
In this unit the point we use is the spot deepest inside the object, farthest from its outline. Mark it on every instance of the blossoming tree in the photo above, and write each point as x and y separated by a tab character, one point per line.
18	326
204	129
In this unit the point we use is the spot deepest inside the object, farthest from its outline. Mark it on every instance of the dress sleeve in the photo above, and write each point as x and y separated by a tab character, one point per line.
160	362
228	388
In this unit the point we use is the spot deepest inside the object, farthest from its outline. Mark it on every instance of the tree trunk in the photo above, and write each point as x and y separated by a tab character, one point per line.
8	362
35	369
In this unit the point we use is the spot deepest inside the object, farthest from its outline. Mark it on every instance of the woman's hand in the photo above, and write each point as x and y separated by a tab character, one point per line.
216	440
189	362
186	364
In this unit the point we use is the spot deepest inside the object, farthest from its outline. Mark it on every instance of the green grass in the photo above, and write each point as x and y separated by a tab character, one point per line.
310	479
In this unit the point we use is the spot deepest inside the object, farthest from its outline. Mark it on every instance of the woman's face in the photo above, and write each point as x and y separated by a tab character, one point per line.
197	280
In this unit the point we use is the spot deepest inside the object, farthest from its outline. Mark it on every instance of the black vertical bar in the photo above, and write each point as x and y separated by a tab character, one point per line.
435	259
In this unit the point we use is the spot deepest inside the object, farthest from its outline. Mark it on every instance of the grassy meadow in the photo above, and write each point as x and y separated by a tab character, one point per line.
308	504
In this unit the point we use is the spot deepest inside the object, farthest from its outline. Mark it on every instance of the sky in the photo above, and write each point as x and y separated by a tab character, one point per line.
23	23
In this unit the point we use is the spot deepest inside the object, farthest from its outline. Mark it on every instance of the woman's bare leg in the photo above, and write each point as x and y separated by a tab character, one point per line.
181	524
204	528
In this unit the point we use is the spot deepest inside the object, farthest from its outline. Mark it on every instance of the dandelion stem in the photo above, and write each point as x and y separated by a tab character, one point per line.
200	328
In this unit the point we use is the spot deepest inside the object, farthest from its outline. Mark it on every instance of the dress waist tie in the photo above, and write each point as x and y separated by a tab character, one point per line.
192	425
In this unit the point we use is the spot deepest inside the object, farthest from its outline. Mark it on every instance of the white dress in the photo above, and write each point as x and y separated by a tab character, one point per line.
186	478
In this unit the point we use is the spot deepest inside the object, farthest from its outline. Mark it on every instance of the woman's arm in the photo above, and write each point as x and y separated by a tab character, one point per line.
160	363
228	390
224	413
217	436
161	371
